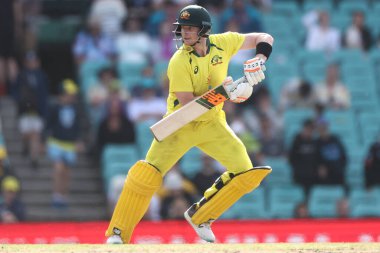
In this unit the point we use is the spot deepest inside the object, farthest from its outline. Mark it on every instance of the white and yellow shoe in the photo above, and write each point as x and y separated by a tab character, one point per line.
203	230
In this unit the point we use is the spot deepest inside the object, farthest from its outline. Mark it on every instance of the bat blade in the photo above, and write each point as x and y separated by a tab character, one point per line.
189	112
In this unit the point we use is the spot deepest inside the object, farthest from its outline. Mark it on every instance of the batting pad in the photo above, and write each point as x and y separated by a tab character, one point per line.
142	182
229	194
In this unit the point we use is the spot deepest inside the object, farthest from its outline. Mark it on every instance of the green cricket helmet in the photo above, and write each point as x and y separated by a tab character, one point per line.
194	15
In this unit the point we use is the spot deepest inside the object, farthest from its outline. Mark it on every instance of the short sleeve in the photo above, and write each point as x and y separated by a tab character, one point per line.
179	75
232	42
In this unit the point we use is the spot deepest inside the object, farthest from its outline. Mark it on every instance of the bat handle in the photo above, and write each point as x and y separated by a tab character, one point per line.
240	80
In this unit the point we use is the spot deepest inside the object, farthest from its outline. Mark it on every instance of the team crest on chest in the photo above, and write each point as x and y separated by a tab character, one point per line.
216	59
185	15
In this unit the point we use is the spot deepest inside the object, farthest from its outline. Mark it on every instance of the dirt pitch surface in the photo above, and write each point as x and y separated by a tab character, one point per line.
195	248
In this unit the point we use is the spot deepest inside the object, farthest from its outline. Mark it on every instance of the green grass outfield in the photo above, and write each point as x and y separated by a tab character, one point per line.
195	248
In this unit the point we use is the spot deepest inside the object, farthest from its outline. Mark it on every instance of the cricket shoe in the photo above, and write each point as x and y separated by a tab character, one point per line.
114	239
203	230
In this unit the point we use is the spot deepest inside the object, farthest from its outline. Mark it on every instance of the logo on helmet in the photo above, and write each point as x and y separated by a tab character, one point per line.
185	15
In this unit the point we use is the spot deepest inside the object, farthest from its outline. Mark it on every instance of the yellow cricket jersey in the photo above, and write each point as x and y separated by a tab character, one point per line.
189	72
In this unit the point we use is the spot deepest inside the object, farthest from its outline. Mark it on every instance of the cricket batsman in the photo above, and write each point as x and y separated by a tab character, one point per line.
199	64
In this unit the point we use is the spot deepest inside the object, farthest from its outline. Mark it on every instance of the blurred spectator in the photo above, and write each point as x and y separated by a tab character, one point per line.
161	11
372	165
332	93
147	106
242	55
301	211
63	132
358	35
331	156
163	44
342	208
110	14
31	93
99	94
303	156
240	127
31	16
272	143
133	45
298	93
10	18
93	45
116	127
206	176
263	107
11	208
320	35
246	15
177	197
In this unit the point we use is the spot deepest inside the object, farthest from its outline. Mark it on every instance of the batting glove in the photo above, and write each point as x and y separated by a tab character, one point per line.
254	70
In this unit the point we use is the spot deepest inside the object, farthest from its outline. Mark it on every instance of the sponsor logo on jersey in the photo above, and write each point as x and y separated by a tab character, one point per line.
216	59
185	15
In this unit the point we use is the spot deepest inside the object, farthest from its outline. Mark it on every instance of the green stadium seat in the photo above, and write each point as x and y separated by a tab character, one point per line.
283	200
323	200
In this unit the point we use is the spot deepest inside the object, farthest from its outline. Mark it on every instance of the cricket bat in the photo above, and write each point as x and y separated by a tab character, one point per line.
190	111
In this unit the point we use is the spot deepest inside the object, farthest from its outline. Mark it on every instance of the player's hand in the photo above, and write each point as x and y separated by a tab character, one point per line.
238	92
254	70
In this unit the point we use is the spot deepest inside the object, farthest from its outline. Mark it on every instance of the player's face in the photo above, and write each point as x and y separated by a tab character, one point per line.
189	34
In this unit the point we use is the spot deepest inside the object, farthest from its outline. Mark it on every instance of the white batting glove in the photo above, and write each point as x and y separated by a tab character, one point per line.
254	70
237	91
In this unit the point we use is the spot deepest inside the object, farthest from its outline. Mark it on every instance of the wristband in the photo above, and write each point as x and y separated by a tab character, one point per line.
264	48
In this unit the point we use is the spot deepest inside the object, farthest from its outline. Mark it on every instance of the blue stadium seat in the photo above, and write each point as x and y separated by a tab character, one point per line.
191	162
297	116
351	6
281	172
131	73
250	206
160	69
144	136
314	72
325	5
283	200
126	154
323	200
88	72
364	203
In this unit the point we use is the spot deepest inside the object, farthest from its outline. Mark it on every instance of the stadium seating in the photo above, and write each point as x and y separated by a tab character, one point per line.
117	159
364	203
250	206
281	172
323	200
191	162
283	200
